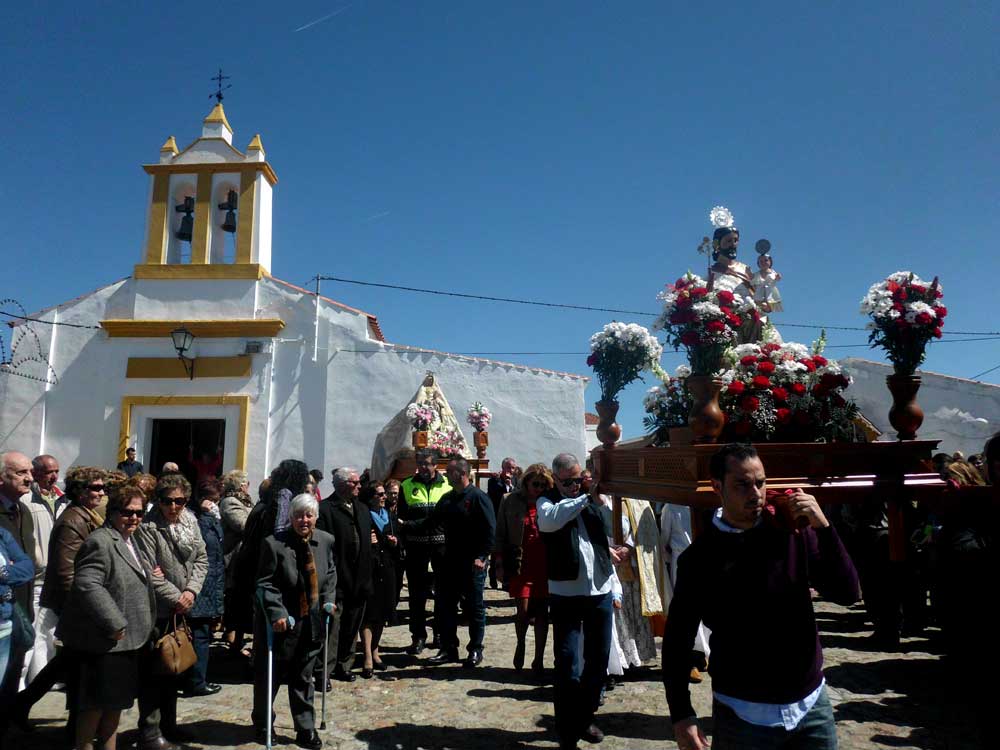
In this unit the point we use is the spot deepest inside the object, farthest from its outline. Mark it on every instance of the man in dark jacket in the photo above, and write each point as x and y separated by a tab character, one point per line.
748	577
499	485
466	515
345	517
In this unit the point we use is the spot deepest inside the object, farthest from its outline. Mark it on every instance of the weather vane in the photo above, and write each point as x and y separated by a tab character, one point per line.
220	88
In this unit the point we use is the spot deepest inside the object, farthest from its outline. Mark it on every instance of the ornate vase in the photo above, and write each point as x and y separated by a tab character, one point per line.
706	418
481	440
905	415
609	432
420	439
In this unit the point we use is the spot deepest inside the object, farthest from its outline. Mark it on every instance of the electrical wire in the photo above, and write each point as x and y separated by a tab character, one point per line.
47	322
984	372
587	308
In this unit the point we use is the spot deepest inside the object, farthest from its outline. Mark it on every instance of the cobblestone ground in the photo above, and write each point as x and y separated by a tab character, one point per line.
896	700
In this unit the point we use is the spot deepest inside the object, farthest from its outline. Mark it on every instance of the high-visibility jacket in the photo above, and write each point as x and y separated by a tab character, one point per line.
418	500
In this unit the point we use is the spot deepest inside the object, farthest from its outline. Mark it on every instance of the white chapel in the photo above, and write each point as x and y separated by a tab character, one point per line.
268	370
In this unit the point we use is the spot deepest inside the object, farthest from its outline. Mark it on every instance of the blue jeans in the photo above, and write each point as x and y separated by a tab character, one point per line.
201	637
816	731
457	580
578	690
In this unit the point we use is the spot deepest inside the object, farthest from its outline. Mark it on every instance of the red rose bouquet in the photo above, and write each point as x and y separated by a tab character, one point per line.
786	393
705	322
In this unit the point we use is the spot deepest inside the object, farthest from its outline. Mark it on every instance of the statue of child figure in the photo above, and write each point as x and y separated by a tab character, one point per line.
765	280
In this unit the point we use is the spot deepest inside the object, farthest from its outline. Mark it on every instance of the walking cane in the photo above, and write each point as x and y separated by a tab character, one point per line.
270	662
328	608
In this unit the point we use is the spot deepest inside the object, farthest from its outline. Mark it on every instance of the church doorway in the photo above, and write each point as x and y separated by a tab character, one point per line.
197	446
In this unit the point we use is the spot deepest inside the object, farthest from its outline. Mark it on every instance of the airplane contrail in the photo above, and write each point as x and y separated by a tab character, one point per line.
327	17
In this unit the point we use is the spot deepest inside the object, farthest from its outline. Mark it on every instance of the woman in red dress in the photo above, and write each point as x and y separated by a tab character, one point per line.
520	555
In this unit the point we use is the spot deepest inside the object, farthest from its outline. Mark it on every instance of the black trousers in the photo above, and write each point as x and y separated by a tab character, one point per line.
157	695
351	616
419	580
295	654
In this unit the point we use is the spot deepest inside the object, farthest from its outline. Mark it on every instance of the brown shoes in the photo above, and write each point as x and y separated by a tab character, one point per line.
695	676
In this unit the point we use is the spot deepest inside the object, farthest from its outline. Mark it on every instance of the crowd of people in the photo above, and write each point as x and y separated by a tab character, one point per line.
292	576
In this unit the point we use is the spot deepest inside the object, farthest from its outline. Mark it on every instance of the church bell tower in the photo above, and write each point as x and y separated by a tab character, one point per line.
209	208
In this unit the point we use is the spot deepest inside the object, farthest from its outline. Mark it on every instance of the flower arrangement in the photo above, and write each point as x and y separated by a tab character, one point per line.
786	393
668	404
422	416
704	322
906	313
479	417
619	353
446	442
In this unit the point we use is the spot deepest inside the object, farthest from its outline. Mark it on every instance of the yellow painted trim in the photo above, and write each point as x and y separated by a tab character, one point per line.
222	166
210	329
204	367
243	402
255	144
156	240
252	271
170	145
244	227
203	214
218	114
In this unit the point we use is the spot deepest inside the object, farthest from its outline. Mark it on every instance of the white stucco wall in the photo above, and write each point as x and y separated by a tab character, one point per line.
327	413
960	413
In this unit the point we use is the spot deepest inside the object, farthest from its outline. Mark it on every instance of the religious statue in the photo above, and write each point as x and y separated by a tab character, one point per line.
726	272
765	281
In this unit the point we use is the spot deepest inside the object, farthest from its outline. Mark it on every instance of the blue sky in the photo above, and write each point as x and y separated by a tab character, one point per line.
565	151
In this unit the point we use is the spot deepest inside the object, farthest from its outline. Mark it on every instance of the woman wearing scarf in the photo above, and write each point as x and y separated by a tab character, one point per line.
381	605
207	609
171	542
297	584
269	516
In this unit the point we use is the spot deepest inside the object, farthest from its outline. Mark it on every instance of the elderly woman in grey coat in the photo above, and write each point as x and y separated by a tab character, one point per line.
172	544
113	606
296	585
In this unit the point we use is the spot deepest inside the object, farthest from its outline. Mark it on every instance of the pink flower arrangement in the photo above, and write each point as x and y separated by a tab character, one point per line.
479	417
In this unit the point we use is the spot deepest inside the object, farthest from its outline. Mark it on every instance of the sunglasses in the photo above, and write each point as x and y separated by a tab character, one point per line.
173	501
95	487
379	494
129	512
540	485
571	482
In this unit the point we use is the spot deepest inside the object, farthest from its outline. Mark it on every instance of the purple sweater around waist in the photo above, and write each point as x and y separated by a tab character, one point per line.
752	590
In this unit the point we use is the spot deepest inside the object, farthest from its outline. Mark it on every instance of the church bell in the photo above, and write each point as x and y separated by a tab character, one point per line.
229	223
187	221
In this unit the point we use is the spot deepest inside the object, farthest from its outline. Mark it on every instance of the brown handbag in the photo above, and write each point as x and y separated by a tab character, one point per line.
175	650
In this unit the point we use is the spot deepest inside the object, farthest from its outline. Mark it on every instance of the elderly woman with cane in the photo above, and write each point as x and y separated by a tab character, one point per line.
297	584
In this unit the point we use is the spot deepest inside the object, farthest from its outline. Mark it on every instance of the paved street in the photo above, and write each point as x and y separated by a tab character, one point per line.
882	700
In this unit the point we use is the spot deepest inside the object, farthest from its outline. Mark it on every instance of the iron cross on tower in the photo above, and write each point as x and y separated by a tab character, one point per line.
220	88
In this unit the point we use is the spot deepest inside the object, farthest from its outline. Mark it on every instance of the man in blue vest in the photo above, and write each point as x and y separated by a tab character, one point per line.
420	493
580	572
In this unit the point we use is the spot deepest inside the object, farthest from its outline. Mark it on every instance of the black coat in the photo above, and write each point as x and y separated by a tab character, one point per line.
280	581
209	602
352	530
